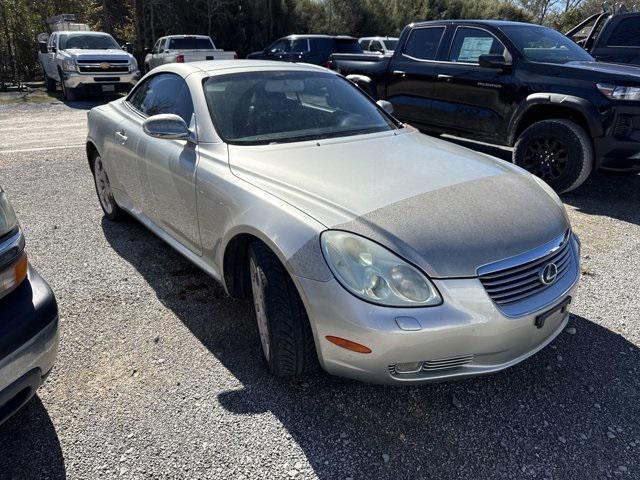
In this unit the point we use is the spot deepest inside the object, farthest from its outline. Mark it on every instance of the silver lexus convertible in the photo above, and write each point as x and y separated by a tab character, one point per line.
367	248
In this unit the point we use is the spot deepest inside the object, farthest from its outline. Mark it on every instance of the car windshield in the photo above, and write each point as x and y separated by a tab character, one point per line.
390	44
190	43
257	108
87	42
541	44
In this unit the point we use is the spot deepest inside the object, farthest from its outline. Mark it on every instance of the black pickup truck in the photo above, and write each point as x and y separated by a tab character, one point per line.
610	37
514	84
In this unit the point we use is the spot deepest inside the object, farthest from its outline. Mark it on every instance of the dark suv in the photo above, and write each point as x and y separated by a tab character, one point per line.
314	49
515	84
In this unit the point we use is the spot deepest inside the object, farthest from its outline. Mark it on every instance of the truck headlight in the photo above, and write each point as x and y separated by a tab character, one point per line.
133	65
373	273
69	65
619	93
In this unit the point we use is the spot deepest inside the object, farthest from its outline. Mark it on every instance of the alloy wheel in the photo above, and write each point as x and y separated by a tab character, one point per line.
546	158
105	195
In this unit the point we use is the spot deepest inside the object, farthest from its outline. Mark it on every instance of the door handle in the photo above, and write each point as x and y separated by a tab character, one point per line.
399	72
446	78
122	136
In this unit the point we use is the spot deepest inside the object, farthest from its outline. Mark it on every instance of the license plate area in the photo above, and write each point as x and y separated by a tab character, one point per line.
108	88
559	309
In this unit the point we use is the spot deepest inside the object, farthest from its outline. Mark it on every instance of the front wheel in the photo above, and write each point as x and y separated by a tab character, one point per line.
558	151
103	188
283	325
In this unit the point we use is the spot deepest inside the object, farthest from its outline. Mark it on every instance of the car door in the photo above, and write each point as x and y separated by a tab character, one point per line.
469	98
166	168
412	75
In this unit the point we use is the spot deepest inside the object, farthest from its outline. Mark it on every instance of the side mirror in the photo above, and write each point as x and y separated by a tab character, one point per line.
494	61
42	46
53	49
386	106
167	126
147	50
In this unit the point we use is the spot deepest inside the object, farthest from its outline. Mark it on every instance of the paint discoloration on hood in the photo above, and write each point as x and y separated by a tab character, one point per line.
443	207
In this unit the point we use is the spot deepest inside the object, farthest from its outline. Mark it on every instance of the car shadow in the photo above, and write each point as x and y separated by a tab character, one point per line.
571	410
29	445
604	193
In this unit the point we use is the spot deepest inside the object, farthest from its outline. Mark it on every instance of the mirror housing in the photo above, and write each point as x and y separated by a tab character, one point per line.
386	106
52	49
147	50
498	62
167	126
42	46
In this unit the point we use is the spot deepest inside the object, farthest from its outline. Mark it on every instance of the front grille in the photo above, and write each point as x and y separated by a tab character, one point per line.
439	364
515	284
99	69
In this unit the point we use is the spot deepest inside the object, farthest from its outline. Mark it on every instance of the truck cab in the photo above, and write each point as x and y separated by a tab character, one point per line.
610	37
86	62
184	49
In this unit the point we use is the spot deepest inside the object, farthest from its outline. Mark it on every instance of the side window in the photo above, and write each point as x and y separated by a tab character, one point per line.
376	46
156	47
278	47
365	44
164	93
163	43
626	33
52	40
423	43
298	45
469	43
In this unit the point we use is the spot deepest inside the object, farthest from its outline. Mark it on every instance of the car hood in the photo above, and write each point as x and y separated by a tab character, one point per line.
604	71
97	55
443	207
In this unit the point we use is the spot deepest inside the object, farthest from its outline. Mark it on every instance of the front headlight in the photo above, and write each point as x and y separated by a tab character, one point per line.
133	66
69	65
619	93
375	274
8	220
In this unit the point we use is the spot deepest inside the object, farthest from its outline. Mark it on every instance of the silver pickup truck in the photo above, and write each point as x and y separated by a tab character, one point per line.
84	62
184	49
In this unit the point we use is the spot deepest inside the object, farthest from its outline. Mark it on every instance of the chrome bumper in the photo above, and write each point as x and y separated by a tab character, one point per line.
77	80
467	335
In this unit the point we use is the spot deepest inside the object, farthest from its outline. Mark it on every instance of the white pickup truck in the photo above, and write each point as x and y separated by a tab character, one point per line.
85	62
184	49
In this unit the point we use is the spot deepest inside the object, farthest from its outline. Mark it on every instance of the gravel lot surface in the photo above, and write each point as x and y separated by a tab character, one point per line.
159	374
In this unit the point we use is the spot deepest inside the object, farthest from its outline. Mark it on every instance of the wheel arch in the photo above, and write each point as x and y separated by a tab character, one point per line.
92	150
545	106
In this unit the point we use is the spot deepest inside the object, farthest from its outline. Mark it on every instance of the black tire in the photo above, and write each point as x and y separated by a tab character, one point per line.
50	83
291	351
111	209
558	151
69	94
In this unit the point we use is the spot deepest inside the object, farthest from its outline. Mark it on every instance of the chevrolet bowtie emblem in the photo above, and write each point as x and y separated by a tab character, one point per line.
104	65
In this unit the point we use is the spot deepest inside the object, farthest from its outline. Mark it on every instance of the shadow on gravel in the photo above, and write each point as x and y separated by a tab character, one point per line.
570	412
29	446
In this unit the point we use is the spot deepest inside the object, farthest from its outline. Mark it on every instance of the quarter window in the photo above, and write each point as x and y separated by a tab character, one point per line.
163	93
423	43
626	33
470	43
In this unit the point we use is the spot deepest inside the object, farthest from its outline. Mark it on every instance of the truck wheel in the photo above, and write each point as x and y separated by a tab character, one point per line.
558	151
69	94
103	188
50	83
283	325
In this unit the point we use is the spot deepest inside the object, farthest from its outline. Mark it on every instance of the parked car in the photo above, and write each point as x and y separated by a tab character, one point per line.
28	319
513	84
184	49
315	49
86	62
612	37
384	254
378	44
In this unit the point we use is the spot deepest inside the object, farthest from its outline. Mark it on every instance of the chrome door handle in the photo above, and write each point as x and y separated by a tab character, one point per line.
121	135
399	72
446	78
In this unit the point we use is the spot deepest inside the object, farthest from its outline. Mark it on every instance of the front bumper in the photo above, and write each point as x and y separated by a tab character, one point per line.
28	342
122	82
620	144
467	335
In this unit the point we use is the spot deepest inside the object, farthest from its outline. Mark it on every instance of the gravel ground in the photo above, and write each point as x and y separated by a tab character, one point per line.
159	374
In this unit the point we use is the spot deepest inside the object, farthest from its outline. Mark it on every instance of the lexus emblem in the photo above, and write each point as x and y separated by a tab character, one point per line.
548	273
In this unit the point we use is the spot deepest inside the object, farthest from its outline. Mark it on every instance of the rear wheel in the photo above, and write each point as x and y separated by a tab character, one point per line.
103	188
558	151
283	325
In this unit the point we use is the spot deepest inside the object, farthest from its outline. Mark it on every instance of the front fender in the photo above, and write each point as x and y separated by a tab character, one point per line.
580	105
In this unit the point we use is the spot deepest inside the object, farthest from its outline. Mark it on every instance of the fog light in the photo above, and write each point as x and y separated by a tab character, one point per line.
412	367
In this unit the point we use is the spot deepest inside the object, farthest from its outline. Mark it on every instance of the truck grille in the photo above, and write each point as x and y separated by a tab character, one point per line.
516	284
107	66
